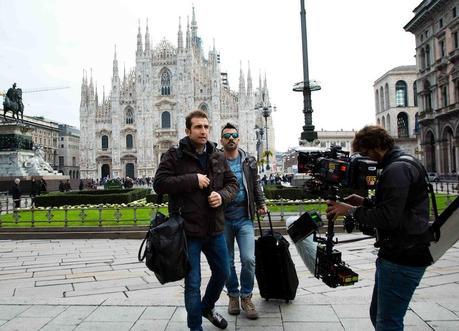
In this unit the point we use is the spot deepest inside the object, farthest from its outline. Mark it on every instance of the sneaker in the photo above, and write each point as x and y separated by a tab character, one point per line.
215	318
233	306
249	308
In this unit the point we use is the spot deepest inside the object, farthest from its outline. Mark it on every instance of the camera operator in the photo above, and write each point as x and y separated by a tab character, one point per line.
400	214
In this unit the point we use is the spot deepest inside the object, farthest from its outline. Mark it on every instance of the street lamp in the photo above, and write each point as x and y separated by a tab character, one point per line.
259	135
266	110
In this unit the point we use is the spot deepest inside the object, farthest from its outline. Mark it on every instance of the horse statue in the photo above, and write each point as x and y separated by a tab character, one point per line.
13	103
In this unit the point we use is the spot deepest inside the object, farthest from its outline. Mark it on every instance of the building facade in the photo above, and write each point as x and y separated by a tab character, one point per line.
435	26
45	134
126	133
396	106
68	151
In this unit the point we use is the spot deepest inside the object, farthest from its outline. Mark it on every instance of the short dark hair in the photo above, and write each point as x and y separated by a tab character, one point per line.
228	126
371	137
195	113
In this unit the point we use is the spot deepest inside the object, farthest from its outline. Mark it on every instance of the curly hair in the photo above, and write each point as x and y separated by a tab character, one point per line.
371	137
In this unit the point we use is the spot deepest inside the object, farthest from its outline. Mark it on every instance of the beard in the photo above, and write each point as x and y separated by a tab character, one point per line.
230	147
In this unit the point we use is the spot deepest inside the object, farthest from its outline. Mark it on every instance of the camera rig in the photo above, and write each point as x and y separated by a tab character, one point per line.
332	174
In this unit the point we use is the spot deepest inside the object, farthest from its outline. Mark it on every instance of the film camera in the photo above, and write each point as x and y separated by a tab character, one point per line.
332	173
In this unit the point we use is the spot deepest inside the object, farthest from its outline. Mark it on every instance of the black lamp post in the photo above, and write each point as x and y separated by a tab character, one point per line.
259	134
266	110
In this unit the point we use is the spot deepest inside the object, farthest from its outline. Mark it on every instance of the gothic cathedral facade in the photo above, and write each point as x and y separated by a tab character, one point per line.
144	115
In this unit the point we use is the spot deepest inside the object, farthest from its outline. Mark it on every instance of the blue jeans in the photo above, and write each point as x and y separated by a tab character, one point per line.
241	230
214	248
394	287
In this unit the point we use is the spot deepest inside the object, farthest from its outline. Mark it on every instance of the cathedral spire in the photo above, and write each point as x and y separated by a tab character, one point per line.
249	81
139	43
115	65
241	82
103	94
194	28
147	40
96	98
188	36
180	35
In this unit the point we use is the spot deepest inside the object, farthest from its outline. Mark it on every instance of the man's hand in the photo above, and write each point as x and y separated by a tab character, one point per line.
337	208
215	199
203	181
263	210
354	199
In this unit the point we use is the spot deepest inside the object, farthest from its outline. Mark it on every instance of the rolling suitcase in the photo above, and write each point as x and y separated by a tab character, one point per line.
274	268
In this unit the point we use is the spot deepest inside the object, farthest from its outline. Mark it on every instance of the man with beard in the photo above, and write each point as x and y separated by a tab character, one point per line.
239	215
199	183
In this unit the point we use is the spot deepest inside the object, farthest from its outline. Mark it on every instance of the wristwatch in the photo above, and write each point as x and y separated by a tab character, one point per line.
351	211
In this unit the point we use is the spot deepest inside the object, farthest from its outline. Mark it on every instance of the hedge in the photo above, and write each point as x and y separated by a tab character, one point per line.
154	198
56	199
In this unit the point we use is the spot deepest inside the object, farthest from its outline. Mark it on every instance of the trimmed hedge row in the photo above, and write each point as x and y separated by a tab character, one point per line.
154	198
281	192
56	199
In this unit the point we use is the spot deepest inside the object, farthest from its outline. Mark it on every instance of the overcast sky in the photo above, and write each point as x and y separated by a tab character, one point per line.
48	43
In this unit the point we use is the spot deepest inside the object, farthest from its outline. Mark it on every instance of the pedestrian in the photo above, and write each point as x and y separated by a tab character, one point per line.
61	186
34	191
199	183
81	186
16	193
43	186
239	216
400	214
67	186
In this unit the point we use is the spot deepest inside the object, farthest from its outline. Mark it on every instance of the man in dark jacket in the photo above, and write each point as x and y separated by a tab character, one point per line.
199	183
16	192
239	216
400	215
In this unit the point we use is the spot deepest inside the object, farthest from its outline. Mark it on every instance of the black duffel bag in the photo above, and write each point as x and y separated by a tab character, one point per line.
166	252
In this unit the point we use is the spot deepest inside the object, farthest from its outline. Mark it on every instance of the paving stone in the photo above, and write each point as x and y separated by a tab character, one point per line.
128	282
351	310
58	327
148	325
302	326
357	324
64	281
104	326
105	290
8	312
444	325
73	315
120	314
43	311
308	313
432	312
24	324
158	313
45	291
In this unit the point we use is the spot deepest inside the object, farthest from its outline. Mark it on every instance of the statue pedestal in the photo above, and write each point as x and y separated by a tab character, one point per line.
19	159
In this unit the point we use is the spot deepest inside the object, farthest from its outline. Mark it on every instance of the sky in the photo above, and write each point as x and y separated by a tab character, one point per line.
48	43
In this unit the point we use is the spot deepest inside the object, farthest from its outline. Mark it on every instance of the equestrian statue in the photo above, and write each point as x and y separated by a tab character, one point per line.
13	103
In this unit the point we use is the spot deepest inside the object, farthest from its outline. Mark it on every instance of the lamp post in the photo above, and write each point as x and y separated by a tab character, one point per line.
259	134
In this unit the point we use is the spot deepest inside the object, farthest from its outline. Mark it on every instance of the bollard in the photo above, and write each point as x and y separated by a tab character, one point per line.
65	217
135	215
282	209
32	217
100	216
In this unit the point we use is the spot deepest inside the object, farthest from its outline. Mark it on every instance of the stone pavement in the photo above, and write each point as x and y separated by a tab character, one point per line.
98	284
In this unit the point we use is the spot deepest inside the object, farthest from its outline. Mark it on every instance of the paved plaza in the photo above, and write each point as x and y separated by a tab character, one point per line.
98	284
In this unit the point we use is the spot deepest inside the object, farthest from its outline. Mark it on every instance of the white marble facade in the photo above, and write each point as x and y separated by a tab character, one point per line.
125	133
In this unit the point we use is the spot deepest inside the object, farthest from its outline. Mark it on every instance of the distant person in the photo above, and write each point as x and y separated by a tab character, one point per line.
67	186
81	186
43	186
34	190
61	186
16	192
239	216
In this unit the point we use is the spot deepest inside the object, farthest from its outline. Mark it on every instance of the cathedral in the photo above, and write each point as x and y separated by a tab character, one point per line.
126	133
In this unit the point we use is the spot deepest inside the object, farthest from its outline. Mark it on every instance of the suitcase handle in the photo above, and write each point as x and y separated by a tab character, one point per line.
270	223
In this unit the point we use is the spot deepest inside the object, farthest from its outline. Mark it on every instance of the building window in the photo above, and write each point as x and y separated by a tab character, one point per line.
129	141
61	161
381	97
454	12
401	94
415	94
386	96
416	123
444	96
166	120
402	125
74	161
428	56
423	59
388	123
104	142
377	101
62	138
456	40
440	23
442	48
165	83
129	116
62	146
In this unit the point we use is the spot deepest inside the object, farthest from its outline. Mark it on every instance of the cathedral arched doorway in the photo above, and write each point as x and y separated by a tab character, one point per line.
448	156
130	170
105	170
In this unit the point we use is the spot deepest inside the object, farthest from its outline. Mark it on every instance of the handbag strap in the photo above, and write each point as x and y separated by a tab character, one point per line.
141	257
270	223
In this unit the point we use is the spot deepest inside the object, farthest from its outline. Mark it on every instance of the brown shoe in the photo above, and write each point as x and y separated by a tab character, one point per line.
249	308
233	306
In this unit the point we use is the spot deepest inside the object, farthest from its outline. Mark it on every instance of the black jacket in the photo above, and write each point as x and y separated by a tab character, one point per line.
400	212
255	196
177	177
16	191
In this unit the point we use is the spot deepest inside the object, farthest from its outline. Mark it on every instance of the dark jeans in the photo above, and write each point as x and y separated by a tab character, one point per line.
214	248
394	287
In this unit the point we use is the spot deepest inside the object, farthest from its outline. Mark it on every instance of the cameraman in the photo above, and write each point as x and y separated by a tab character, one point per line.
400	214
